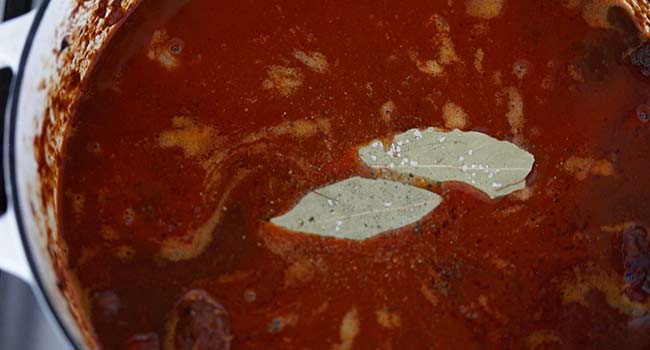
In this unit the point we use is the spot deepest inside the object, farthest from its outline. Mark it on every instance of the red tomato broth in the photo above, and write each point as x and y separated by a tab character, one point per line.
473	274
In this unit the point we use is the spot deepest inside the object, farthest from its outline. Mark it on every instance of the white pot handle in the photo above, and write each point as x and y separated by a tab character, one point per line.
12	255
13	34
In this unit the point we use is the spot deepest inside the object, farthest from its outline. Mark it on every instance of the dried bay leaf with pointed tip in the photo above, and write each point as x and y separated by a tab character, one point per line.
358	208
495	167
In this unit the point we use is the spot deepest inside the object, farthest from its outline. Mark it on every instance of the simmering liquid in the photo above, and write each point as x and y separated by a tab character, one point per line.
203	120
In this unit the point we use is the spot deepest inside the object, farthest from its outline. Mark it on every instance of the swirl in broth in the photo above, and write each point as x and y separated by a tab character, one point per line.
201	122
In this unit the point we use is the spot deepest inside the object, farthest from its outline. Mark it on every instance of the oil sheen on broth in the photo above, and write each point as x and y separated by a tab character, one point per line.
203	120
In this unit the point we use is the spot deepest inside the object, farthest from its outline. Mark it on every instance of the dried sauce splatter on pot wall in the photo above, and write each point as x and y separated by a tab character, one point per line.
193	132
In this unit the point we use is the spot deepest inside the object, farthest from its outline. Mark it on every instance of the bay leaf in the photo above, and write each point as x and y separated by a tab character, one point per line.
495	167
358	208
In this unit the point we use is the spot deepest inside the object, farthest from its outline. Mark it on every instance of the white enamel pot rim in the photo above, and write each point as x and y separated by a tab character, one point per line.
16	42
